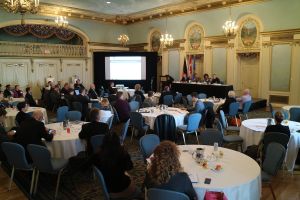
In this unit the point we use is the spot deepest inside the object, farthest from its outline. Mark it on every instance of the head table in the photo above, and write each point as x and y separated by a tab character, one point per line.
252	131
65	145
150	114
12	113
239	178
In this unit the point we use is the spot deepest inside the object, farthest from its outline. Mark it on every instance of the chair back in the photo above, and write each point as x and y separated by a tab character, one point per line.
208	104
15	154
61	113
136	120
160	194
124	131
102	183
77	106
285	114
202	96
223	119
280	138
246	107
233	109
177	98
274	158
73	115
219	126
271	110
165	127
189	99
96	105
184	102
116	115
295	114
41	157
168	100
199	106
110	121
210	136
96	142
147	144
137	98
193	122
134	106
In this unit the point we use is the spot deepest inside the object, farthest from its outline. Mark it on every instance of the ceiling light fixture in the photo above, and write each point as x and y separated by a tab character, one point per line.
166	39
108	2
22	7
230	26
123	39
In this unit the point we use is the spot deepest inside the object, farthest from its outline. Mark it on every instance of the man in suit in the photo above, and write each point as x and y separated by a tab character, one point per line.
32	130
92	92
95	127
84	100
22	115
78	85
28	98
278	127
7	92
166	91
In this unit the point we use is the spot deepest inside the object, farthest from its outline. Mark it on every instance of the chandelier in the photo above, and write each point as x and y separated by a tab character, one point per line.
166	39
61	21
230	27
21	6
123	39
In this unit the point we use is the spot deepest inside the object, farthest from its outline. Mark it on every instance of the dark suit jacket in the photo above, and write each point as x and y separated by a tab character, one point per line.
225	106
21	116
84	100
123	109
161	98
90	129
92	94
279	129
29	100
7	93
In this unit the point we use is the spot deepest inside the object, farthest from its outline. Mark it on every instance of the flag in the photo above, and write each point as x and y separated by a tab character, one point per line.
190	67
194	66
184	67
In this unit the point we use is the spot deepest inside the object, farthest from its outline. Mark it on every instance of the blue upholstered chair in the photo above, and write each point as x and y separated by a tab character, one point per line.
202	96
189	99
225	123
124	130
73	115
168	100
61	113
147	144
192	126
177	98
295	114
246	108
234	110
134	106
137	123
210	136
96	142
160	194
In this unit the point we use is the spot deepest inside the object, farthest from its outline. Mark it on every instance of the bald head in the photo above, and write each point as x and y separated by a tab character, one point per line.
38	115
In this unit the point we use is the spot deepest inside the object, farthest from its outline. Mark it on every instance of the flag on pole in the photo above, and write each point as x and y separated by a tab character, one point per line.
194	66
184	71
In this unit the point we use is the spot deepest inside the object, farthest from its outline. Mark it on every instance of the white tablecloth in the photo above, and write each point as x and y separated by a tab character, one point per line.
252	131
17	100
150	117
156	97
12	113
216	103
65	145
239	179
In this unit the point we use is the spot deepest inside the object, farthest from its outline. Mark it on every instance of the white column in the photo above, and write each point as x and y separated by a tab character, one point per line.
295	72
165	62
207	68
265	68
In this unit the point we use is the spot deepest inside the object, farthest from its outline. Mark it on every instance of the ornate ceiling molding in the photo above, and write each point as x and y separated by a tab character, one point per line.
187	7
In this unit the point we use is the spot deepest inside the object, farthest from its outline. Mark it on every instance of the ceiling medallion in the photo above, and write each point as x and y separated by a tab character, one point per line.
123	39
22	7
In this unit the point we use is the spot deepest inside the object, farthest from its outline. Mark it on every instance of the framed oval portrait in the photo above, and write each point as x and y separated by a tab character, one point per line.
249	32
155	41
195	34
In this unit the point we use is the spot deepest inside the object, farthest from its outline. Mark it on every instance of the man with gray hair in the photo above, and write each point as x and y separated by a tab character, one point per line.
244	98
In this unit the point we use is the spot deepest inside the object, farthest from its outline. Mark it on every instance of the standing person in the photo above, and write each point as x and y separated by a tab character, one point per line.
17	92
114	162
122	107
215	79
92	92
29	98
7	92
165	171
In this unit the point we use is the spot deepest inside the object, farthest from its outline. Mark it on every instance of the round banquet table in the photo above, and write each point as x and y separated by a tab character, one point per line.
287	108
240	177
155	95
12	113
216	103
252	131
150	116
65	145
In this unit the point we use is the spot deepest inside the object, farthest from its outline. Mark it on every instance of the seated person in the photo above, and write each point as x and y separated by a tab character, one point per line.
3	102
111	88
95	127
17	93
206	78
246	97
165	92
150	99
32	130
78	85
228	101
66	89
138	91
105	105
122	107
114	162
278	127
194	98
92	92
7	92
84	100
29	99
113	96
215	79
106	110
22	115
196	78
184	78
165	171
54	97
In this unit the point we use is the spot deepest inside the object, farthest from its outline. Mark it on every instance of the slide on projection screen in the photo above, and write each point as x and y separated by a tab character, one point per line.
125	68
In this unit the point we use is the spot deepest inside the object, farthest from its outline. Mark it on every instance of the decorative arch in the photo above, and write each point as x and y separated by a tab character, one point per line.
249	30
194	35
154	39
82	34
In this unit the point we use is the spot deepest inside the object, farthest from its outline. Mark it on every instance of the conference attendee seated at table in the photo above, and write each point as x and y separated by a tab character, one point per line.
165	171
278	127
113	96
105	105
244	98
184	78
138	91
32	131
54	97
95	127
17	93
114	162
165	92
7	92
194	98
196	78
3	102
84	100
122	107
106	110
215	79
92	92
78	85
150	100
206	78
111	88
22	115
29	98
66	89
230	99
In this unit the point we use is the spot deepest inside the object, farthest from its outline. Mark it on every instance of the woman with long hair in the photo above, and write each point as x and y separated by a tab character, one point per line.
114	162
165	171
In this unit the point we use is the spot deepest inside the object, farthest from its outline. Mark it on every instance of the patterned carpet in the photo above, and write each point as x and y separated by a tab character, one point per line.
81	185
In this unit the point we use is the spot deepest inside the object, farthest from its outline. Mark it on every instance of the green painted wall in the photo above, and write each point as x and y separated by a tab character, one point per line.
219	63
